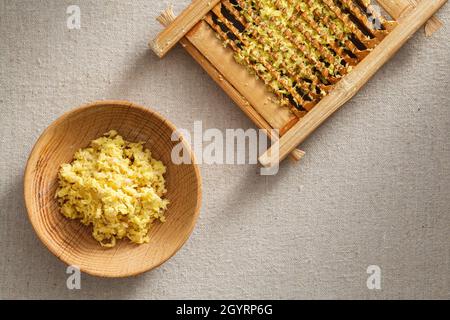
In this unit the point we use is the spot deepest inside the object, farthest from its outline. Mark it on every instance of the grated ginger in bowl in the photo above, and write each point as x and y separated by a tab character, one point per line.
115	186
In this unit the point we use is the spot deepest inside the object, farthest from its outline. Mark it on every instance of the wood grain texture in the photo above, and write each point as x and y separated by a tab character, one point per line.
71	241
182	24
432	26
397	8
351	83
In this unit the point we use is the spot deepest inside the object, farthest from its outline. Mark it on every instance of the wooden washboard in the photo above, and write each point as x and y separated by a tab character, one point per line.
199	31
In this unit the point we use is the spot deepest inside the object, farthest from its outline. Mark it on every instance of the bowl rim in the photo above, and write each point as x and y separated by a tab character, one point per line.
29	171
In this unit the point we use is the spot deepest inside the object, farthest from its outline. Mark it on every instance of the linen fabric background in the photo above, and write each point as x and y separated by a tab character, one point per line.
373	188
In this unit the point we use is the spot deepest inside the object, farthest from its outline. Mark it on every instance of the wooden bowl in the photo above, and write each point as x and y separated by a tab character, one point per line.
70	240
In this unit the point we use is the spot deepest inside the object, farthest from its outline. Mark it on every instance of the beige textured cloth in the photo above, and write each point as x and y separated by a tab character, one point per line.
373	188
